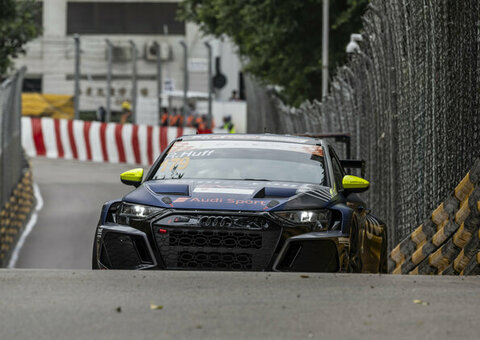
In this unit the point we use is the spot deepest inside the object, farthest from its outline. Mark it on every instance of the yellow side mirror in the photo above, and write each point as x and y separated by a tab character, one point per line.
354	184
132	177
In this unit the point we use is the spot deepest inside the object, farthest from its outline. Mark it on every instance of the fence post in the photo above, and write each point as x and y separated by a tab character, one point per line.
109	80
210	84
158	49
134	81
185	77
76	38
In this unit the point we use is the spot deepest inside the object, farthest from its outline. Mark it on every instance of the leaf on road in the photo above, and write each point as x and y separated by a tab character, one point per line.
155	307
304	276
420	302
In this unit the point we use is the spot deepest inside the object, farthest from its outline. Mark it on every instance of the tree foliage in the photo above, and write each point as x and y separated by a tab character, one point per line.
18	24
281	41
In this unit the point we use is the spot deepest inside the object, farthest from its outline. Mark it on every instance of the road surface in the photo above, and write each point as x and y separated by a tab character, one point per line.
220	305
73	193
86	304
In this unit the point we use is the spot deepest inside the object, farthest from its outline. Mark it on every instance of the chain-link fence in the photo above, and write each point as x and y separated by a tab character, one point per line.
12	160
410	99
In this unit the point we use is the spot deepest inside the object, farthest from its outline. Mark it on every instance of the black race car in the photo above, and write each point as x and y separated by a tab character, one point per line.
242	202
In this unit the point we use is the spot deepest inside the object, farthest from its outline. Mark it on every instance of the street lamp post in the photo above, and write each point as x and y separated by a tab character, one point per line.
185	77
210	83
134	81
109	81
326	26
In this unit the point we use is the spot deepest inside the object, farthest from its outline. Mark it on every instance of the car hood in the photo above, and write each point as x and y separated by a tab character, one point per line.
230	195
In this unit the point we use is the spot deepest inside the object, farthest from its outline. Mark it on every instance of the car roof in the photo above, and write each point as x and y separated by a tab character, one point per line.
264	137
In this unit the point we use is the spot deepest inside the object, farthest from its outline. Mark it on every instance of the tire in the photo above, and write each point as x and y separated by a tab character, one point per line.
383	265
94	257
354	256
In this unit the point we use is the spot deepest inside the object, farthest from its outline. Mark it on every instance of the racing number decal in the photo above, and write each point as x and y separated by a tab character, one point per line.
175	163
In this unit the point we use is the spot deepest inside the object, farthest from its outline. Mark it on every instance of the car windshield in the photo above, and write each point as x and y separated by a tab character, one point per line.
244	160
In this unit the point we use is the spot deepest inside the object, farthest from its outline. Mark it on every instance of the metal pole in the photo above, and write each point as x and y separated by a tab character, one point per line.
159	75
134	81
76	38
185	77
109	80
210	83
326	26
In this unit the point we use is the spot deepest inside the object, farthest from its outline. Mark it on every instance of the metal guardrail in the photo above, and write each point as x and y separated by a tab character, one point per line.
12	160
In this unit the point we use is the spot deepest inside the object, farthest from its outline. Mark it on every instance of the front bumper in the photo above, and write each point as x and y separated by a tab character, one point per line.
171	247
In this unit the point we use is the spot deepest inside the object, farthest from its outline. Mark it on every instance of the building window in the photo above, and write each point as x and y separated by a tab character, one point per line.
32	85
123	18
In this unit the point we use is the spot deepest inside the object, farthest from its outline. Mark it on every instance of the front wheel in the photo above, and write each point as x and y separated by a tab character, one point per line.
354	255
383	265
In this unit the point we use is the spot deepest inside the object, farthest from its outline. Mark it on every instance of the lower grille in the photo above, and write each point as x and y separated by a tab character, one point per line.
215	239
188	244
226	261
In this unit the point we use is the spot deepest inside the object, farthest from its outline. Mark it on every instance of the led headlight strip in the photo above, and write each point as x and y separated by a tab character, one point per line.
319	219
138	211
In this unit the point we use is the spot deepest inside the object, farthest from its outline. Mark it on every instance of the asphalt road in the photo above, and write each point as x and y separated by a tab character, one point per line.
219	305
85	304
73	193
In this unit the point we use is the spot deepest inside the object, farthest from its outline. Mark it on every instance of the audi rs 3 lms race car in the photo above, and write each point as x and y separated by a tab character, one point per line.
242	202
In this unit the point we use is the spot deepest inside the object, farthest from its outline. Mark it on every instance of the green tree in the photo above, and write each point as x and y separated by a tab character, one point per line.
280	41
19	24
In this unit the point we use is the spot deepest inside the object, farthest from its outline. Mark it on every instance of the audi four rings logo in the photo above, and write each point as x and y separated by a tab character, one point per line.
216	221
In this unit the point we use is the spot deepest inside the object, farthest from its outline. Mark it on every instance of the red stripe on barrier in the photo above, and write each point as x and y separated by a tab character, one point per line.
58	138
180	131
103	141
118	140
71	138
150	144
86	136
37	134
163	138
136	145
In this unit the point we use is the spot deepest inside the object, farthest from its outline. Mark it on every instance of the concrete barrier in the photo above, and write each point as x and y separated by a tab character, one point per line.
448	243
95	141
15	214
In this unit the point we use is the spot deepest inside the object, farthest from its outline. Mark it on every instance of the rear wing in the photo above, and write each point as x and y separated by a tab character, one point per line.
354	164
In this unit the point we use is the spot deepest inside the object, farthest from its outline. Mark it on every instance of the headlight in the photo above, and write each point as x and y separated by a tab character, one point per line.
137	211
318	219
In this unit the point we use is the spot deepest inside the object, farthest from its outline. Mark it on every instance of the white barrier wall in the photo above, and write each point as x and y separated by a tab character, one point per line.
95	141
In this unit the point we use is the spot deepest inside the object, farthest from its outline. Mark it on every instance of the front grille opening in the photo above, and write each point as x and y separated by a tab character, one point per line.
104	257
290	256
226	261
142	249
311	256
216	242
214	239
122	251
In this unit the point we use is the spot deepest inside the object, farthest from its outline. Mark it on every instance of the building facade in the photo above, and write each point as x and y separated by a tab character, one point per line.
50	59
